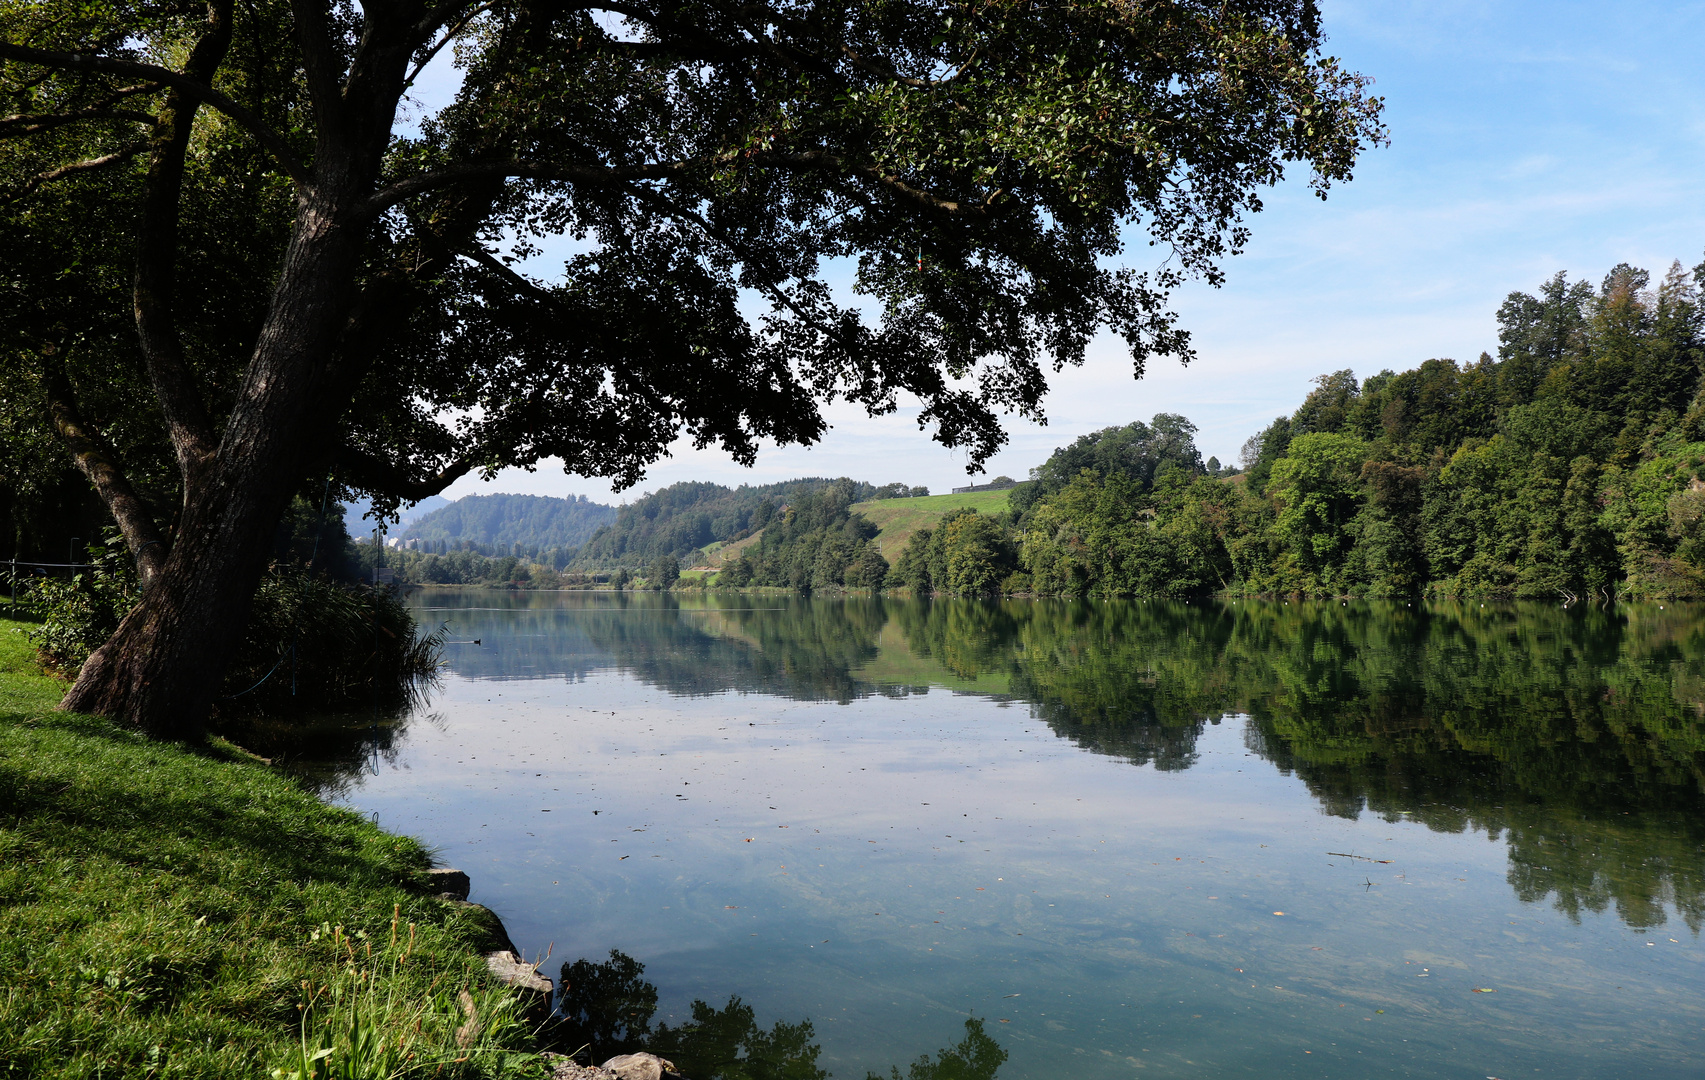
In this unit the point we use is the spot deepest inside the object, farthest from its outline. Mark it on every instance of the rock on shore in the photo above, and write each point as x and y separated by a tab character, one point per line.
506	966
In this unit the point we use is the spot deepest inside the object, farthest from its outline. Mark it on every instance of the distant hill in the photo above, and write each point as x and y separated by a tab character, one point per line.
496	524
359	525
685	518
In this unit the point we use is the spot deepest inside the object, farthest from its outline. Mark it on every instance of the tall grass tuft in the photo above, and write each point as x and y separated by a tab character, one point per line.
317	644
364	1024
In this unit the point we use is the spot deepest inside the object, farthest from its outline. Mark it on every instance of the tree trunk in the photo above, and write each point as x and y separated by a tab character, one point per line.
162	671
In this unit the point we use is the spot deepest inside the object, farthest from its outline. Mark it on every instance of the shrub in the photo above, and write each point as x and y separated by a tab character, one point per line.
311	643
77	615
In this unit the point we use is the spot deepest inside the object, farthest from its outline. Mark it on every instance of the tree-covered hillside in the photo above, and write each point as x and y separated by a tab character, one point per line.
1569	466
499	524
815	543
1143	452
681	519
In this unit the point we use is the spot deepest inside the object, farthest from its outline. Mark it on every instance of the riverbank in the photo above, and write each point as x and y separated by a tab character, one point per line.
168	911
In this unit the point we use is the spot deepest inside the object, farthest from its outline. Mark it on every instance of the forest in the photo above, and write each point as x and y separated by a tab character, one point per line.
685	518
504	524
1566	467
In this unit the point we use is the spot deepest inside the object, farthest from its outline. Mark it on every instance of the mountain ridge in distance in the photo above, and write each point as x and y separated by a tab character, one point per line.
503	520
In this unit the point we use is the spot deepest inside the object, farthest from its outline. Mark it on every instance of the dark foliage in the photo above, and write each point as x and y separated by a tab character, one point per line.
312	643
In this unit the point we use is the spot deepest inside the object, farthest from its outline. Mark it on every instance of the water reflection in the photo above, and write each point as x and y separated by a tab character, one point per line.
1576	735
329	752
607	1009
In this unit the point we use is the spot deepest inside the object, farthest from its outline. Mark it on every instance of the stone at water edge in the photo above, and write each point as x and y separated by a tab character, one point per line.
449	884
564	1067
638	1067
510	969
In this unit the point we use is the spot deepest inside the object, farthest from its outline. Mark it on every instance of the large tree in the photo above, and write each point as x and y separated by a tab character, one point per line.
248	263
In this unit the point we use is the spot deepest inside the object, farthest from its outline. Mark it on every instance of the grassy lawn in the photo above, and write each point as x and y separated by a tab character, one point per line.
169	912
900	518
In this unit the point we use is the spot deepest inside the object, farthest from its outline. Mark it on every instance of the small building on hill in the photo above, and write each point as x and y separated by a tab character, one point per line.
999	483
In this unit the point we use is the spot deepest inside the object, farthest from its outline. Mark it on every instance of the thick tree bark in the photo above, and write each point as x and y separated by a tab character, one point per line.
155	283
162	670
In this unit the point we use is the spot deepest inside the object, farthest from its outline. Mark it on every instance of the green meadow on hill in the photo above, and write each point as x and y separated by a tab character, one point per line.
898	519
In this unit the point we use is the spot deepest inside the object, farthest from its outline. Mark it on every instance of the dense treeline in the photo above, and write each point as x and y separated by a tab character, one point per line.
510	524
683	518
814	544
966	553
1567	467
528	570
1144	453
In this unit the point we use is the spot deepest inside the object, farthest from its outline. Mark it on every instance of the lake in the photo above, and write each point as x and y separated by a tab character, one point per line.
1142	839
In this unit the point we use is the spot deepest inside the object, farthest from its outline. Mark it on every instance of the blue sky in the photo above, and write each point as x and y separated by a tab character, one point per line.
1526	138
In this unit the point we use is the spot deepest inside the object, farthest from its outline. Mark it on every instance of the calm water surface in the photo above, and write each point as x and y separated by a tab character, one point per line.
1139	839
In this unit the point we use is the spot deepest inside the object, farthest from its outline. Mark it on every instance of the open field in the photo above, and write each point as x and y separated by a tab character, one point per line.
719	554
900	518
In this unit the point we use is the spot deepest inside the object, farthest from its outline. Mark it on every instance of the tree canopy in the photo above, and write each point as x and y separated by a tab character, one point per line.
1572	466
1142	452
241	262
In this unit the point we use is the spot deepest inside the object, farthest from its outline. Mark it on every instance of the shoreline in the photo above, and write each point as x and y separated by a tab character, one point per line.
189	905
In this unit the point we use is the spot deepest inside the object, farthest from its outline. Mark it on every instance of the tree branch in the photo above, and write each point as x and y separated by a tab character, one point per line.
383	200
63	171
520	283
265	135
97	461
815	160
99	110
373	473
320	68
154	286
440	14
774	291
449	36
828	161
13	127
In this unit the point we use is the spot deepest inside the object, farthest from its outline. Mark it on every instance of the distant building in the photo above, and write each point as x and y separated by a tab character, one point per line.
999	483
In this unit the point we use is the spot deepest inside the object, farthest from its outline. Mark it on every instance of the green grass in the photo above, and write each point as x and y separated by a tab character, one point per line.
900	518
165	912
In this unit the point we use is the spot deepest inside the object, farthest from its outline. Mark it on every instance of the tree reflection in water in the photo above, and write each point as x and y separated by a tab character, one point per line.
608	1008
1576	735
